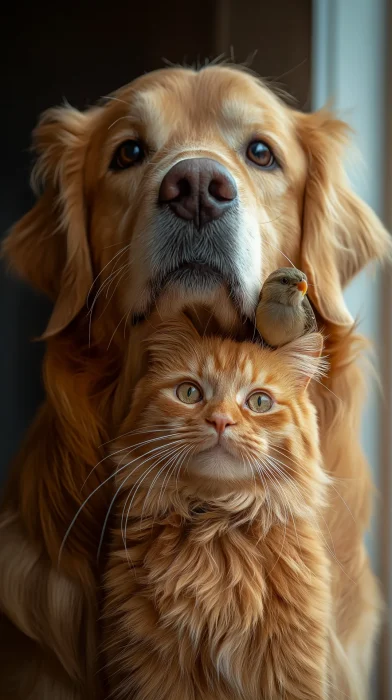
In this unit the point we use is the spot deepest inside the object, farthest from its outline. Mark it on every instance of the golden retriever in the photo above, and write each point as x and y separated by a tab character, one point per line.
183	187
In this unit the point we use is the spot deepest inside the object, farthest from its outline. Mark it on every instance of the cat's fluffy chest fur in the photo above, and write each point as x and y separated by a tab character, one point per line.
217	601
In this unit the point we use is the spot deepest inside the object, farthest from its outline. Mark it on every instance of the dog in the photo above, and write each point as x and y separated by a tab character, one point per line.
183	188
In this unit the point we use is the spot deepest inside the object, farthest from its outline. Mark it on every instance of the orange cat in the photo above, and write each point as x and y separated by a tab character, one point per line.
217	585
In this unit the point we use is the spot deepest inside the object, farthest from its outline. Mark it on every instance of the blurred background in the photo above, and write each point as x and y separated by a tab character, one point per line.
320	50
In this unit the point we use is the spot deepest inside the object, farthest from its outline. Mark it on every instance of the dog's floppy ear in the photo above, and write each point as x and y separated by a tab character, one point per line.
341	234
48	247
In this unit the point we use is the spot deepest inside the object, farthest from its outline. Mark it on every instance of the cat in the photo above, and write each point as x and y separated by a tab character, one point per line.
217	580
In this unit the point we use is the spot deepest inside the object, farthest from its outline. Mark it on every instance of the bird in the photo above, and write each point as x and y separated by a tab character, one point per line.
284	312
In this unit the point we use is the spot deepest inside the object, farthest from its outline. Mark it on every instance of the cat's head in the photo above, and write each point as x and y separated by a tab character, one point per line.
221	409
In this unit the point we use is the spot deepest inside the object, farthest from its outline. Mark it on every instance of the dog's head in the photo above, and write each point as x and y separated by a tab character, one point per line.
190	186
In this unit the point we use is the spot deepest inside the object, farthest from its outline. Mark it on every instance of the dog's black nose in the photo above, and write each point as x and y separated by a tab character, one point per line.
198	189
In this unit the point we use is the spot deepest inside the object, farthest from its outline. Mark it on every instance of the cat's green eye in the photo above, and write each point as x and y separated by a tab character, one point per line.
259	402
188	393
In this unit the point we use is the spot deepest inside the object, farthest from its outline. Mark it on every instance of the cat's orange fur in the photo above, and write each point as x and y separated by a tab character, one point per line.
217	585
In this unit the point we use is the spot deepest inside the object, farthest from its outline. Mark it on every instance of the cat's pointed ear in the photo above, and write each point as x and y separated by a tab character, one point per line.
170	338
303	358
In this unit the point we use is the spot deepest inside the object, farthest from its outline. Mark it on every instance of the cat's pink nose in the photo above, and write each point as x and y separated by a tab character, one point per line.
220	421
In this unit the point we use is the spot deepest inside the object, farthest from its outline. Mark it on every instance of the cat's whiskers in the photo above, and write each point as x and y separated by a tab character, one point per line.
112	454
265	487
176	470
120	488
155	428
319	510
329	484
265	462
288	503
138	483
286	454
185	457
344	502
284	521
328	389
125	519
160	471
117	492
172	458
296	472
270	467
331	552
111	476
170	468
132	494
286	478
251	470
132	448
277	464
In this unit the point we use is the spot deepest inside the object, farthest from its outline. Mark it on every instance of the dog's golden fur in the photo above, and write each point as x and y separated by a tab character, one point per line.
77	234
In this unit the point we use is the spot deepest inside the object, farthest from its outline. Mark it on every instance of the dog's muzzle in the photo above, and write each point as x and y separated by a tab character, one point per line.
201	238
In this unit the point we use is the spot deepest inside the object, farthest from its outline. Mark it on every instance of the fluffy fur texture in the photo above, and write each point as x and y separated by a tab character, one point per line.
218	582
96	241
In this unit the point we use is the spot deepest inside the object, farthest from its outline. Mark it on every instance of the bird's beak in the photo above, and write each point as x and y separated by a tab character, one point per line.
302	286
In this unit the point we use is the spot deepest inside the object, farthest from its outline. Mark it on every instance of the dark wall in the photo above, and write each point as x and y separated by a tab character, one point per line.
81	52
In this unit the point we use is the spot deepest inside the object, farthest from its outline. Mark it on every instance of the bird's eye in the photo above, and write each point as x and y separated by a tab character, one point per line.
129	153
259	402
284	280
260	154
189	393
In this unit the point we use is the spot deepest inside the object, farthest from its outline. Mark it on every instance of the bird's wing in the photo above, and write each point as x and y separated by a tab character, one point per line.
310	318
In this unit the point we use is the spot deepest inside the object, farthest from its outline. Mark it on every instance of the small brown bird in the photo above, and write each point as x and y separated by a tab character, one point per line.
284	312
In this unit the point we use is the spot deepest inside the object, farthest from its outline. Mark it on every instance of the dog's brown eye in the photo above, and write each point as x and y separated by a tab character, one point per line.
260	154
127	154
